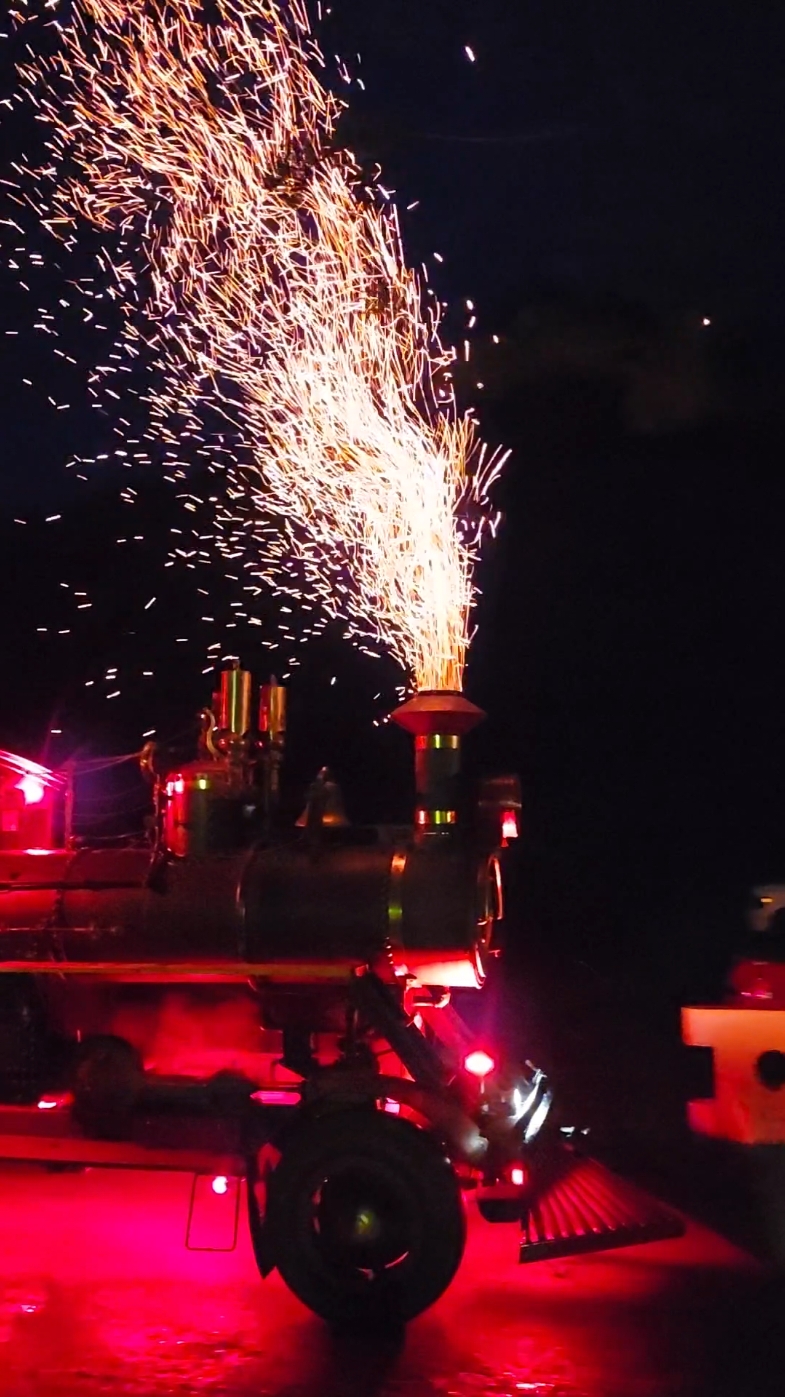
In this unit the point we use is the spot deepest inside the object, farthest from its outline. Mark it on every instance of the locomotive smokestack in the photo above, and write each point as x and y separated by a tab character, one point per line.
437	719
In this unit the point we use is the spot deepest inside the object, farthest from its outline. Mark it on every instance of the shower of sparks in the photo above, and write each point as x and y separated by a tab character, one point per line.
262	283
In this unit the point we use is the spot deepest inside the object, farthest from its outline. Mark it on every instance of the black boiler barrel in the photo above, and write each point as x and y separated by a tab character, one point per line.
429	910
353	901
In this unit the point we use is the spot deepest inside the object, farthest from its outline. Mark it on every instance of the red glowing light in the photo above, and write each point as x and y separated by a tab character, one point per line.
479	1063
54	1101
758	989
33	789
220	1184
276	1098
517	1176
509	825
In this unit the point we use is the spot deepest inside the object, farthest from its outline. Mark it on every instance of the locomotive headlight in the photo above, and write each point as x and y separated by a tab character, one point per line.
523	1102
530	1106
538	1117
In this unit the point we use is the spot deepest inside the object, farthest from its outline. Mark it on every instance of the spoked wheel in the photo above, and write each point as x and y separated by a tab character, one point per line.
107	1078
366	1218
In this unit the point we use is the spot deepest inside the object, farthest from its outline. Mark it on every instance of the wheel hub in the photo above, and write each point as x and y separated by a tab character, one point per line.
361	1223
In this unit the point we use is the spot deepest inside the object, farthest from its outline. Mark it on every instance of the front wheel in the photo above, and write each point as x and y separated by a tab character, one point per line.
365	1218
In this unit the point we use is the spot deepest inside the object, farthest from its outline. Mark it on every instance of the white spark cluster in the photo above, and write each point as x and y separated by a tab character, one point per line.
262	281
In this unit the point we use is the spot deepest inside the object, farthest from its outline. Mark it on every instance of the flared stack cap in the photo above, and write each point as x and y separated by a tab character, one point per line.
442	711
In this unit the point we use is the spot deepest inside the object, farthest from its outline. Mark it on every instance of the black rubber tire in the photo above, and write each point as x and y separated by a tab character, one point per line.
407	1169
108	1076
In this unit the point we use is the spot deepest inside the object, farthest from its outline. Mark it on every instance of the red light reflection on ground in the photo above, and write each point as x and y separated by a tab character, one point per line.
98	1294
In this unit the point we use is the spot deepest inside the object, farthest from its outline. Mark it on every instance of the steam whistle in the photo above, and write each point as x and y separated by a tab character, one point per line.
272	713
233	739
437	719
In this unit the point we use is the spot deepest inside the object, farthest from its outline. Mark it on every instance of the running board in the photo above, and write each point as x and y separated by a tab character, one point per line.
33	1135
588	1209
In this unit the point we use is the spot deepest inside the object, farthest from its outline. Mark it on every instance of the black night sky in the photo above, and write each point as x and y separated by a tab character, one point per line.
601	182
624	147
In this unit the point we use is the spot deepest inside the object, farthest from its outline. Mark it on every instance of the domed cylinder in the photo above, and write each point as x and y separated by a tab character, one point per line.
235	715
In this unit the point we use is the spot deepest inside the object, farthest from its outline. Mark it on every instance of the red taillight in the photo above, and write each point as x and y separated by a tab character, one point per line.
220	1184
479	1063
517	1176
509	824
759	989
33	789
54	1101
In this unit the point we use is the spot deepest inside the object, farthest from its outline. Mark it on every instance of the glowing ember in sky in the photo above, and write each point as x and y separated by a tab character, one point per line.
265	275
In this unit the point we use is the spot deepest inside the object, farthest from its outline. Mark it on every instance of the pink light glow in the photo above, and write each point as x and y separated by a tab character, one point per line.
517	1176
514	1325
33	789
276	1098
54	1101
24	766
479	1063
220	1184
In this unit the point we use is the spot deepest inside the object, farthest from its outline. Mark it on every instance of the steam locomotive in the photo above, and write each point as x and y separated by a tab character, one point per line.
239	998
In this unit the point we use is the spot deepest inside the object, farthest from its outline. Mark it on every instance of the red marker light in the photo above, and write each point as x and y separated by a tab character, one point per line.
479	1063
517	1176
509	824
220	1184
33	789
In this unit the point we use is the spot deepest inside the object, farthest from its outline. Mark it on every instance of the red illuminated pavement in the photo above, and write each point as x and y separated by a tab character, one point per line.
98	1295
